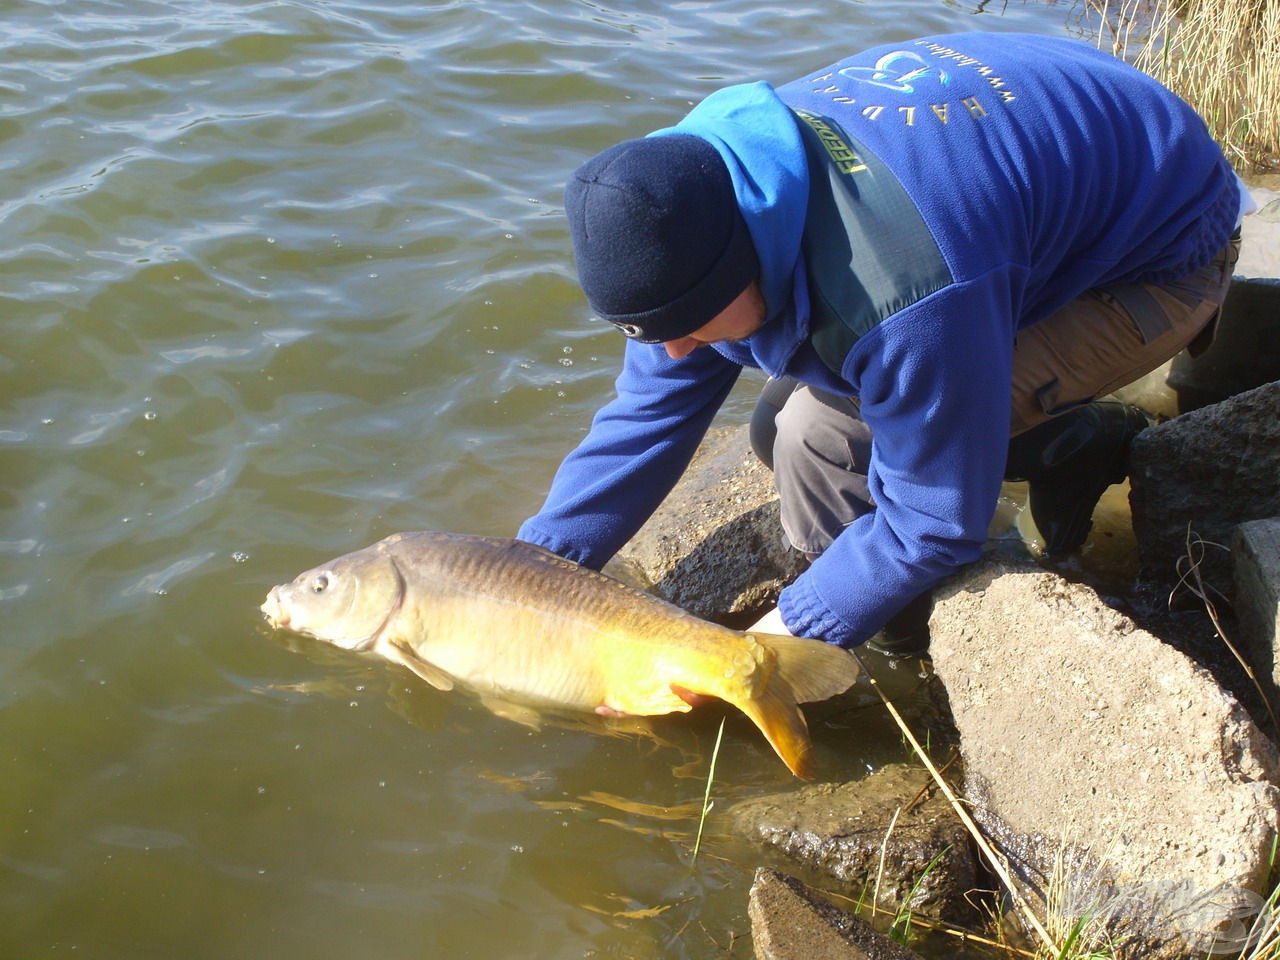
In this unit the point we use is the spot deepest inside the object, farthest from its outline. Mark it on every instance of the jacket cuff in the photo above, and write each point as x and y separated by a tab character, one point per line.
557	545
806	615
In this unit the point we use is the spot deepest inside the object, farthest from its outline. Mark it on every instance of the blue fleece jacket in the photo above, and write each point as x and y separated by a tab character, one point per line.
1040	167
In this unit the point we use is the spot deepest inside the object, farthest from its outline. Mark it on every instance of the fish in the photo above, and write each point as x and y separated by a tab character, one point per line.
515	622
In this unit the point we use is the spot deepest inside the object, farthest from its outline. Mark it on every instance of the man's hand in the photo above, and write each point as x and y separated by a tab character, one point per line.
771	622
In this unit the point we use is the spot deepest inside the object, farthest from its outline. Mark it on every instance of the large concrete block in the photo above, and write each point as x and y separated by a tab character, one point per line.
791	922
1100	754
1206	471
1256	552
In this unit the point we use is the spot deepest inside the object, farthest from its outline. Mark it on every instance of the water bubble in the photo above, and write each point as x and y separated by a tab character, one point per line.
239	556
149	415
566	362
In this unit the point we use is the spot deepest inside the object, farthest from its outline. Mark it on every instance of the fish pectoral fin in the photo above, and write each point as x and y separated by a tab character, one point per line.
515	712
409	658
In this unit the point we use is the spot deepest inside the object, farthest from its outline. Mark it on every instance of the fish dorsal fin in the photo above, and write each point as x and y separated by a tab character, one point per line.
407	657
812	669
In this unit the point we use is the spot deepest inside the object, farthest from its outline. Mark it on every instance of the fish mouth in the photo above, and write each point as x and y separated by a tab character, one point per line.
275	612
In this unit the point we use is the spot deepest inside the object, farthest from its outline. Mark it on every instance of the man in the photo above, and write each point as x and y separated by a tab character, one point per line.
942	251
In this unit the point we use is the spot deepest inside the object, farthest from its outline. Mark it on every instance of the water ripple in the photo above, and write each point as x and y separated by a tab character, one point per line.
278	277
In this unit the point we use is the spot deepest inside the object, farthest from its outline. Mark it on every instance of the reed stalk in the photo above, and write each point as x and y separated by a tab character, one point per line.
1223	58
706	794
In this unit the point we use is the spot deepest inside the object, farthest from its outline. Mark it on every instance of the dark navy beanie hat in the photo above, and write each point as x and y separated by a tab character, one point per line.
660	243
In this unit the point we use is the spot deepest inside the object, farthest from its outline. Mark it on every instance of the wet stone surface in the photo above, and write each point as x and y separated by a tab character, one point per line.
843	831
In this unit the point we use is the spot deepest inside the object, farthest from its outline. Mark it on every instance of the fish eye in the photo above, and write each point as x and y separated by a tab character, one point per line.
320	583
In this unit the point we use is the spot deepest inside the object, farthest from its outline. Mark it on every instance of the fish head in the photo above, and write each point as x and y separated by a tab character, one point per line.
346	601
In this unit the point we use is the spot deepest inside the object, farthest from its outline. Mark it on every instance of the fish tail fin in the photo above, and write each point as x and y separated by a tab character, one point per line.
812	669
778	716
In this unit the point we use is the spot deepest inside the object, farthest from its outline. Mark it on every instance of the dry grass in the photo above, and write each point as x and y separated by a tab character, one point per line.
1222	57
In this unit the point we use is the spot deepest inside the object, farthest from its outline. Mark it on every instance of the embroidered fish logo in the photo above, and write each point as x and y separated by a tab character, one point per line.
890	73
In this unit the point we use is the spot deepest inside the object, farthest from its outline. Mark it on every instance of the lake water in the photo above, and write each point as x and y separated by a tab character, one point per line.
278	279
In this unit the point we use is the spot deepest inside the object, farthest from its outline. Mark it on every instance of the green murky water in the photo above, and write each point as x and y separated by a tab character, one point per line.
278	279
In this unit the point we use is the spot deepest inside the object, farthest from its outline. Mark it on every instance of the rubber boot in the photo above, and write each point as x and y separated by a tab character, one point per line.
1069	462
907	632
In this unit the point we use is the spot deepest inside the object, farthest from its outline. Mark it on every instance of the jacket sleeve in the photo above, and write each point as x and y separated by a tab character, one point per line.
934	383
637	448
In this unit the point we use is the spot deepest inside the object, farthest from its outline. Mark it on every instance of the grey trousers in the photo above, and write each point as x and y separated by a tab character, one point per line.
819	447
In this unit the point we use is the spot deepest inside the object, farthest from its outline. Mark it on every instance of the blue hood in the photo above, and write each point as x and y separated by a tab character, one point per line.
756	135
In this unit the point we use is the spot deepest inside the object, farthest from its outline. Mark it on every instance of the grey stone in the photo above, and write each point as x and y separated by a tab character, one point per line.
715	547
840	830
791	922
1208	471
1256	552
1245	352
1087	739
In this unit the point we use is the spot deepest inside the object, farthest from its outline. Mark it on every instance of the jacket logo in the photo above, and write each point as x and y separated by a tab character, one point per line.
897	71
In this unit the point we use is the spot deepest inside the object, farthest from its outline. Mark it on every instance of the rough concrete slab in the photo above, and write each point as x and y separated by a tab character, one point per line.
840	830
1255	549
1086	737
791	922
715	547
1210	470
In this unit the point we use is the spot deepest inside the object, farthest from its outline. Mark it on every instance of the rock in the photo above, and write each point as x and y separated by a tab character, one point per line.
1209	470
1256	552
791	922
1245	352
715	547
1088	739
840	830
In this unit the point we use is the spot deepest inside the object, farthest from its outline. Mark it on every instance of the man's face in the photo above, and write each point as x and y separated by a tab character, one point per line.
737	321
